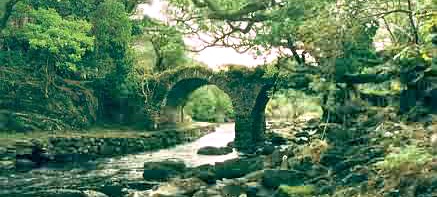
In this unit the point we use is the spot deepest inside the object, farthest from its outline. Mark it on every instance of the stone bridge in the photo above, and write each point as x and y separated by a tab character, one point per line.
246	87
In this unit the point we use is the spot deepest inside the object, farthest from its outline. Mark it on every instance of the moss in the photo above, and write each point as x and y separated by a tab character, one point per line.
410	159
295	191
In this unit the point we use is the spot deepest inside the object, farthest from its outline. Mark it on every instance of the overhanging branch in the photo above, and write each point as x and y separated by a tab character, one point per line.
234	15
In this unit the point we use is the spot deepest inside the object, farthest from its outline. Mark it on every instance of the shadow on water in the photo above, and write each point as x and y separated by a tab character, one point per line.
122	170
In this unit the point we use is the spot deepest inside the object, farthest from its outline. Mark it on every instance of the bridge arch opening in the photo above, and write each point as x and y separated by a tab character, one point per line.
196	99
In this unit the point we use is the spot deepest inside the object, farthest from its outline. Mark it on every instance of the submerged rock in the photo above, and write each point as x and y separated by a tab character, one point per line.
210	150
160	171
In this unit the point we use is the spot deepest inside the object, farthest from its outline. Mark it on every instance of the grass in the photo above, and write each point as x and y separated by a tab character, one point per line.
102	131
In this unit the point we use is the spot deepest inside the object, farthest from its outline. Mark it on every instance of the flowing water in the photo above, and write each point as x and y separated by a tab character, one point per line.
110	171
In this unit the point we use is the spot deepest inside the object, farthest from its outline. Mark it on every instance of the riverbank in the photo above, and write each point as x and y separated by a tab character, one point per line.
385	159
113	176
24	151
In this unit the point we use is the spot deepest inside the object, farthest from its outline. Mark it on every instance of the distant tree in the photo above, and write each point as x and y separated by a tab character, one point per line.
209	103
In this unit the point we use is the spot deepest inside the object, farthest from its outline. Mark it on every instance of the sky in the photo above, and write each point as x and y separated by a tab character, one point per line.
214	57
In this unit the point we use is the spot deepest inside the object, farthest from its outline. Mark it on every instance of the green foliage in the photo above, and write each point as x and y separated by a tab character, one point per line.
166	41
58	41
112	29
289	104
77	8
209	103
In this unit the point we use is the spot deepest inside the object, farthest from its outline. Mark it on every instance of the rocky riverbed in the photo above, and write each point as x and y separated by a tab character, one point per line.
26	154
298	160
110	174
306	164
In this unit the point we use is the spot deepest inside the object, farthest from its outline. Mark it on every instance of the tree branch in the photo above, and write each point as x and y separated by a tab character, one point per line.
234	15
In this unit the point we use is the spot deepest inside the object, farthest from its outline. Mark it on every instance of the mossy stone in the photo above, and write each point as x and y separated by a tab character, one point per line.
295	191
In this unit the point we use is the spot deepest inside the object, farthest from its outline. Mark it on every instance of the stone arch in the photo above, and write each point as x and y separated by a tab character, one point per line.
246	87
178	94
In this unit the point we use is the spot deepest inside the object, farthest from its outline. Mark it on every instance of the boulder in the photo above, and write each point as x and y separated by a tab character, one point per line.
107	149
238	167
253	176
24	164
208	193
112	188
278	140
3	151
355	178
295	191
69	193
276	157
275	178
6	165
91	193
232	187
204	172
60	193
234	168
160	171
137	194
267	149
179	187
210	150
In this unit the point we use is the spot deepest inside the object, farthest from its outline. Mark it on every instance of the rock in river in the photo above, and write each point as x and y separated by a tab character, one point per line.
69	193
25	164
179	187
210	150
160	171
236	168
295	191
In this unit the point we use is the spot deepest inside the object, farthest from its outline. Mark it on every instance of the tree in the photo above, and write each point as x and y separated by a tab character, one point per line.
166	41
113	57
58	43
209	103
338	35
112	29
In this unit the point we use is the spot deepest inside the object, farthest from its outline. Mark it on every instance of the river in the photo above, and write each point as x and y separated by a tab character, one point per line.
113	172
